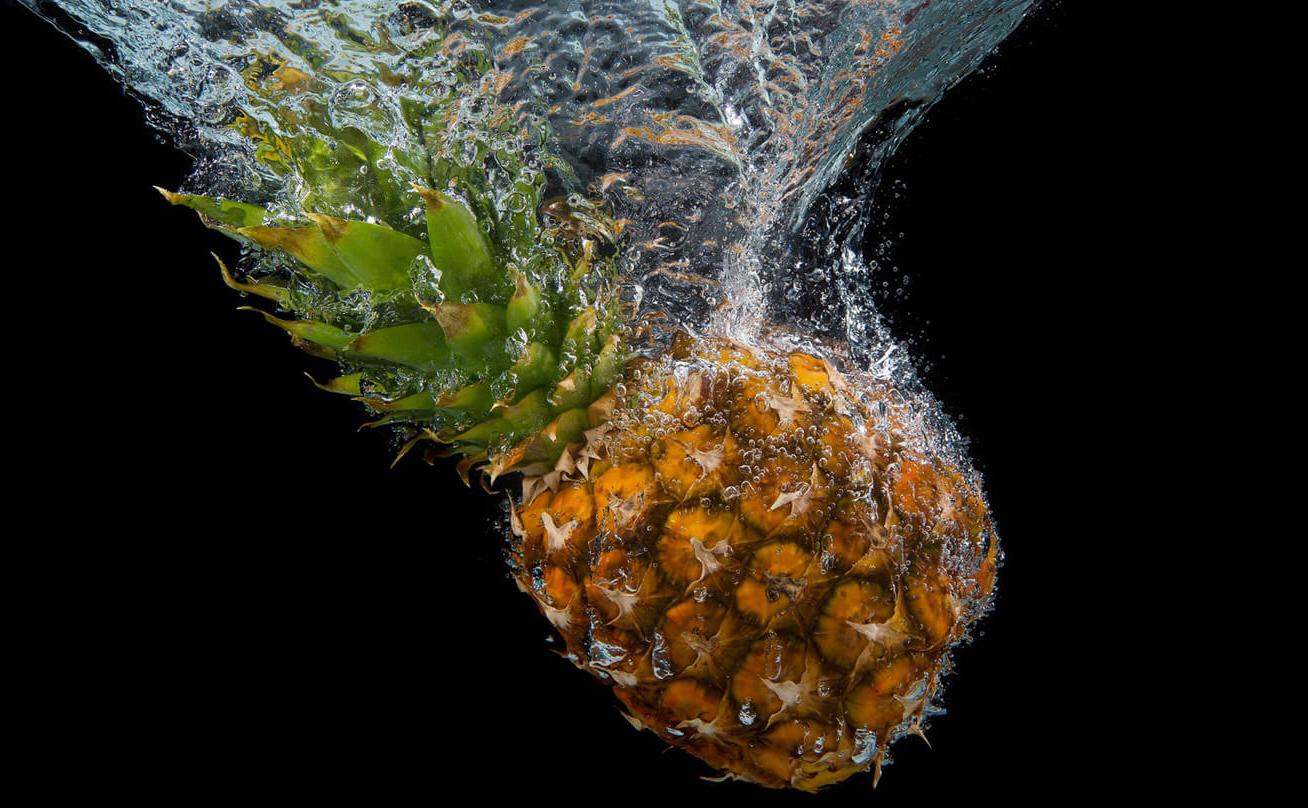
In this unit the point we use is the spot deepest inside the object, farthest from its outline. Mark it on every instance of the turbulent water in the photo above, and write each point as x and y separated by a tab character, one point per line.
721	139
714	128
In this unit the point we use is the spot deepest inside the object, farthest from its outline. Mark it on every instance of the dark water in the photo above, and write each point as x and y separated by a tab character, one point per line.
716	130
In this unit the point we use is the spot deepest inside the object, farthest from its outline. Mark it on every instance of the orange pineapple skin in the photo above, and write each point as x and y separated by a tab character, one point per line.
761	558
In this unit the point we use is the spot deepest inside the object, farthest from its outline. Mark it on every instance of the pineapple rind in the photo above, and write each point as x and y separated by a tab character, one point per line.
771	582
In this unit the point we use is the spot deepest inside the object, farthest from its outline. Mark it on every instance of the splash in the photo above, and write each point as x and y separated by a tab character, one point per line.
715	129
731	151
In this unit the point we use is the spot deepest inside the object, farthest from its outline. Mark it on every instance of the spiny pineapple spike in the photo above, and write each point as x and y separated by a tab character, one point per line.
474	399
418	345
425	434
277	294
224	215
608	367
474	332
528	415
385	420
418	402
464	466
915	728
524	307
341	385
310	330
536	367
377	256
459	248
308	245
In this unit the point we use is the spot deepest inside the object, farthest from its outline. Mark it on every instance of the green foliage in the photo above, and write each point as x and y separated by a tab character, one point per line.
474	323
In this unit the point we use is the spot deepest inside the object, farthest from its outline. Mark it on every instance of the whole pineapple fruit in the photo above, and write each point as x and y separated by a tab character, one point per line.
761	554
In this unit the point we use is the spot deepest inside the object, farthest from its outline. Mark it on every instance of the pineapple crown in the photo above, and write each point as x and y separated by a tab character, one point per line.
420	262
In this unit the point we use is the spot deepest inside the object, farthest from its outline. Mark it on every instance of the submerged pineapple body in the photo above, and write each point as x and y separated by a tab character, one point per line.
761	556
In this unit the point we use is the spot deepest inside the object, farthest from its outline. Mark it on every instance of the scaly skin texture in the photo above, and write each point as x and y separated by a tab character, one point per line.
761	558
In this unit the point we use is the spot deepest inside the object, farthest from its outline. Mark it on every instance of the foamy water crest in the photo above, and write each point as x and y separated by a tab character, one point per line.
714	129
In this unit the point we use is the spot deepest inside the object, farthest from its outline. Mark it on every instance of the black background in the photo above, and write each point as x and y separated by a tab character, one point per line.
248	602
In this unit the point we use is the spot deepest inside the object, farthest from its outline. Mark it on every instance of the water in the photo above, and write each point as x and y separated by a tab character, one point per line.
737	147
715	130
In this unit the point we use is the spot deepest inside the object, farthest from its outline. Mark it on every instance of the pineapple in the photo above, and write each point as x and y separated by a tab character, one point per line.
758	552
747	547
